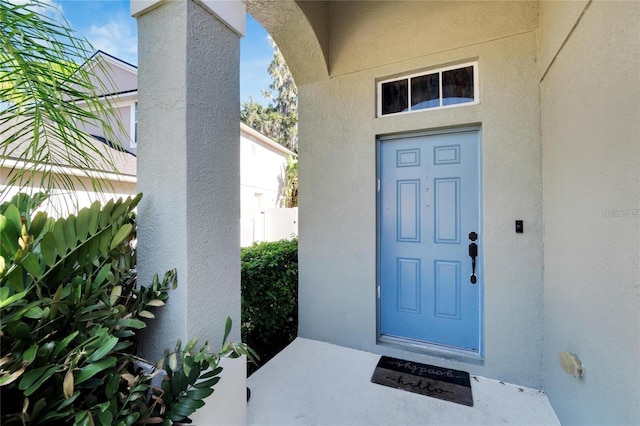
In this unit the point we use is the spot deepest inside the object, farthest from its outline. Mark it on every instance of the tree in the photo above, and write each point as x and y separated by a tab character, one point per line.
278	120
261	118
41	82
291	188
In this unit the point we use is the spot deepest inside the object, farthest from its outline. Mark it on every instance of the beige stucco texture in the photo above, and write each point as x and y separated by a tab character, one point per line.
338	171
591	156
558	112
558	104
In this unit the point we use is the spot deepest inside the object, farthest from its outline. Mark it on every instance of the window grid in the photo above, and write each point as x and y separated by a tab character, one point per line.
408	78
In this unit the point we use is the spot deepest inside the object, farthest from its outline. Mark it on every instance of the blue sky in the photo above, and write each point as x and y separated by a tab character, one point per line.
108	26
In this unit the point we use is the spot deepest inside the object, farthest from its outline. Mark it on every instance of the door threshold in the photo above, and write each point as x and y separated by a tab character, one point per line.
431	349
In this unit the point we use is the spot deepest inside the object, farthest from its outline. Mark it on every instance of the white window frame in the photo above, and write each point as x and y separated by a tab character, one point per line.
408	77
133	140
133	143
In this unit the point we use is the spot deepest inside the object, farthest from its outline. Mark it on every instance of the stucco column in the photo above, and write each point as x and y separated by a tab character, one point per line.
189	172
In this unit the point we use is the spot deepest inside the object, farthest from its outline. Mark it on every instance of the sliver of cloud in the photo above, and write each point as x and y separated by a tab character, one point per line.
118	38
48	8
35	6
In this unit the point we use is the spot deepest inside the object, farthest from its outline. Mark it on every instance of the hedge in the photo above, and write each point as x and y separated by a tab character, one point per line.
269	297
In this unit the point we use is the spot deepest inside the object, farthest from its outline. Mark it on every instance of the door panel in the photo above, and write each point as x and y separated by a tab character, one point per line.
429	201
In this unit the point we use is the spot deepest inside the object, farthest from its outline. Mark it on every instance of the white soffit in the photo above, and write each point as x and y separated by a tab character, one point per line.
138	7
231	12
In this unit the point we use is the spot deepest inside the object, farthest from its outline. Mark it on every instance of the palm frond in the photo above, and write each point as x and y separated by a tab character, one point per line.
47	86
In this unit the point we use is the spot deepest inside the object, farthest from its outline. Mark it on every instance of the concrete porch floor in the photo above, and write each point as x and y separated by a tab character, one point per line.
316	383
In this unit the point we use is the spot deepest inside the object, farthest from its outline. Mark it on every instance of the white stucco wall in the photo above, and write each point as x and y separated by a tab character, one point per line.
113	76
262	170
62	202
262	182
338	130
591	152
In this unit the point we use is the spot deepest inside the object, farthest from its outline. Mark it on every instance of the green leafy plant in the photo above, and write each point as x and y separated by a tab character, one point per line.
191	373
70	308
269	297
291	183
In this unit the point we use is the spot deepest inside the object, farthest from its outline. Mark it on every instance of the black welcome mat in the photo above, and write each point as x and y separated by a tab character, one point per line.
437	382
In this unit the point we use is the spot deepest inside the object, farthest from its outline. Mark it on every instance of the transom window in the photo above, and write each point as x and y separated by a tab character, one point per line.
439	88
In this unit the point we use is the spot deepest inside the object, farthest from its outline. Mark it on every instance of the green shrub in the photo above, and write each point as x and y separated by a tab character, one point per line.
69	312
269	297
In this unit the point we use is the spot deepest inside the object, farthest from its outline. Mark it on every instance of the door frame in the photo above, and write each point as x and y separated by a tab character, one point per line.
428	348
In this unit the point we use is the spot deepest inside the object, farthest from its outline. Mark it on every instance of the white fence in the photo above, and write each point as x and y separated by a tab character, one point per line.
269	225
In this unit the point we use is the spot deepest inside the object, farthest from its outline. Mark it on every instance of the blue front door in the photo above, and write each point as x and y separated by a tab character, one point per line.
429	203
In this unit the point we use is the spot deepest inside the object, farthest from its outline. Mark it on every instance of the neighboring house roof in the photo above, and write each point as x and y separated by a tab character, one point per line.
111	75
100	54
111	144
262	138
124	162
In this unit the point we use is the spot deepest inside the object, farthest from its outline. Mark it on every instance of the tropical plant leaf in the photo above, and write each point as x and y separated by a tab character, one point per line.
38	223
207	383
6	379
105	214
131	323
120	207
11	299
92	369
35	313
8	234
115	292
104	349
211	373
184	408
68	385
13	216
48	248
105	242
94	217
15	278
82	224
146	314
33	379
122	234
56	301
173	362
58	233
32	265
30	354
4	291
70	236
105	418
38	407
62	345
131	419
199	393
227	330
69	401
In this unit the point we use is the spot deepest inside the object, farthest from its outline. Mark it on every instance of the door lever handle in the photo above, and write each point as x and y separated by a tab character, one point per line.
473	253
